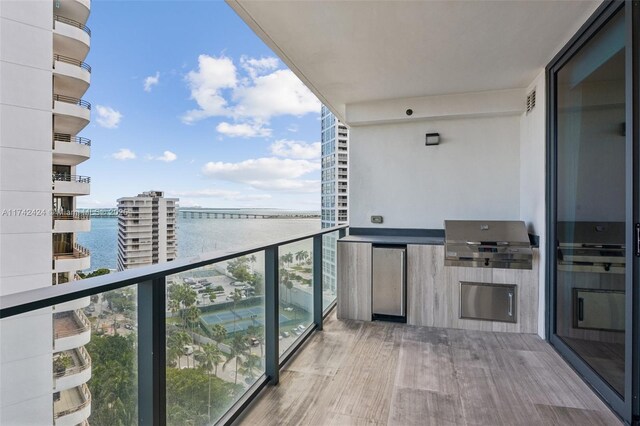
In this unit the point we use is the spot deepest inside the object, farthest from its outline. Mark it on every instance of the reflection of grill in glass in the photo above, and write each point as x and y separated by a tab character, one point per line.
591	247
487	244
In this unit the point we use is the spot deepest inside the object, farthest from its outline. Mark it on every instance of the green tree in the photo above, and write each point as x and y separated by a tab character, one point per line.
237	347
250	363
218	332
209	357
176	343
113	381
187	397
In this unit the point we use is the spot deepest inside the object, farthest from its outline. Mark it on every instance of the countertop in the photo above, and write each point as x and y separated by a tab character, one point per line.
393	239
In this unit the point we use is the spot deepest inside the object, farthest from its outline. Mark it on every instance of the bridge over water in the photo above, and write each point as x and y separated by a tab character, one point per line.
244	214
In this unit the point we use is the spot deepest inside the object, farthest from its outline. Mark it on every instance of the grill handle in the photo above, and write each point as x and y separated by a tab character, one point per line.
488	243
580	309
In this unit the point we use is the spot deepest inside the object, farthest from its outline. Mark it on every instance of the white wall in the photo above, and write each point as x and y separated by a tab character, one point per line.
25	183
533	181
474	172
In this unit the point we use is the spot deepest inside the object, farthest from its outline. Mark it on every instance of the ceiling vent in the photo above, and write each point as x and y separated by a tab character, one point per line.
531	101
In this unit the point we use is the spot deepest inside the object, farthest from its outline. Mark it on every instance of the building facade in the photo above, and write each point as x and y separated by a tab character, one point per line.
44	76
146	230
334	188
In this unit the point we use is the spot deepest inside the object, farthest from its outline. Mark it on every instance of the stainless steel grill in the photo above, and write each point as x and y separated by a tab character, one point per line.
591	247
487	244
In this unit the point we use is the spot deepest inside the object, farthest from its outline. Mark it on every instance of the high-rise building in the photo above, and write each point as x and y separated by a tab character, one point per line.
146	230
335	181
44	76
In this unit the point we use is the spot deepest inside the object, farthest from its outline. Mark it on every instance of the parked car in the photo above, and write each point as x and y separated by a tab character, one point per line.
187	350
288	309
255	341
128	326
285	334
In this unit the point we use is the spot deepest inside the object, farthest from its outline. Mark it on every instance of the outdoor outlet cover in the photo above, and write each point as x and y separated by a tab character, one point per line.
376	219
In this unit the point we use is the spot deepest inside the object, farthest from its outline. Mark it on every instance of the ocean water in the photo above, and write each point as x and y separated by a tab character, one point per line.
196	236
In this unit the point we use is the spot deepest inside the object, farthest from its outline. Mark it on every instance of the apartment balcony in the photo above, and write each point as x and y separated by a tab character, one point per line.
350	372
73	406
71	76
77	373
71	115
78	10
70	330
71	38
76	260
71	222
70	150
65	184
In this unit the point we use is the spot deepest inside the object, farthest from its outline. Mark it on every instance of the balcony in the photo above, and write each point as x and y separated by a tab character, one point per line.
71	76
77	372
66	184
71	222
70	150
71	38
76	259
78	10
71	115
70	330
351	371
73	406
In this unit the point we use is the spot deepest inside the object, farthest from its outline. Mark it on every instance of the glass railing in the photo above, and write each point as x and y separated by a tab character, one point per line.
190	341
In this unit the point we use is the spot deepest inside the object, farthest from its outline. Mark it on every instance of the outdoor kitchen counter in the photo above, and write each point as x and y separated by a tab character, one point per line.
433	289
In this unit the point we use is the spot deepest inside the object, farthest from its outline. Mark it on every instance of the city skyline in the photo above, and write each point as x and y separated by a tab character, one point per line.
210	116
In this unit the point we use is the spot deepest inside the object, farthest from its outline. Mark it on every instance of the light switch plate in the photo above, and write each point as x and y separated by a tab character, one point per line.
376	219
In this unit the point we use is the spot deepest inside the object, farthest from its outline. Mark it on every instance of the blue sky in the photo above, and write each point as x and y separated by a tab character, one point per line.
186	99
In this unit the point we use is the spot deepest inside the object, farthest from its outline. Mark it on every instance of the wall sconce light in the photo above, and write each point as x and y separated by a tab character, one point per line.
432	139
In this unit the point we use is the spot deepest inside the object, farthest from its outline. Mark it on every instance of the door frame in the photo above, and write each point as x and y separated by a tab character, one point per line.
628	408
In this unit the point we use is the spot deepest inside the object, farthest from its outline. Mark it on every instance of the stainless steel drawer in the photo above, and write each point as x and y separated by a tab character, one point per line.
491	302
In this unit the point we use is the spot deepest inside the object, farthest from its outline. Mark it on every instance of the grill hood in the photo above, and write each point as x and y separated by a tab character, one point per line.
487	244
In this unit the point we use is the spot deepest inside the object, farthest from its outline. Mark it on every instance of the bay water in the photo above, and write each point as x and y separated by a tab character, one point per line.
197	236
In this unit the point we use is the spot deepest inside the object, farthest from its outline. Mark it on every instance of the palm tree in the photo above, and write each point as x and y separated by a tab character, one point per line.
238	347
177	342
235	297
218	332
250	363
289	285
209	357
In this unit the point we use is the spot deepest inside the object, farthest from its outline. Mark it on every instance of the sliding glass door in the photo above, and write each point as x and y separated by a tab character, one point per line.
591	217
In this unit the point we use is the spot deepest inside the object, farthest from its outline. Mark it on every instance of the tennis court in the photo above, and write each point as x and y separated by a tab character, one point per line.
240	319
218	317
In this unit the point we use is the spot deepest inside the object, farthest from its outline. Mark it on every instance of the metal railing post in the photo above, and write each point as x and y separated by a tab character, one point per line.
317	282
152	353
271	316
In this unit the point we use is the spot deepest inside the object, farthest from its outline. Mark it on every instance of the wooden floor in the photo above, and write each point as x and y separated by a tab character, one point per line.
361	373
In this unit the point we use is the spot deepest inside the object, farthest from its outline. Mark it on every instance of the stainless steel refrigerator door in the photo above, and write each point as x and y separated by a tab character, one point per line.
389	281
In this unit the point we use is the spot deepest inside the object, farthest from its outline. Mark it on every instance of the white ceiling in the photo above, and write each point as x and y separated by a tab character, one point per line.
358	51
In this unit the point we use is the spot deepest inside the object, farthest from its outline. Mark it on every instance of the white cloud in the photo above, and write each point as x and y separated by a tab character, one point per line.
167	157
108	117
268	173
256	66
278	93
151	81
245	130
124	154
206	85
251	97
296	149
